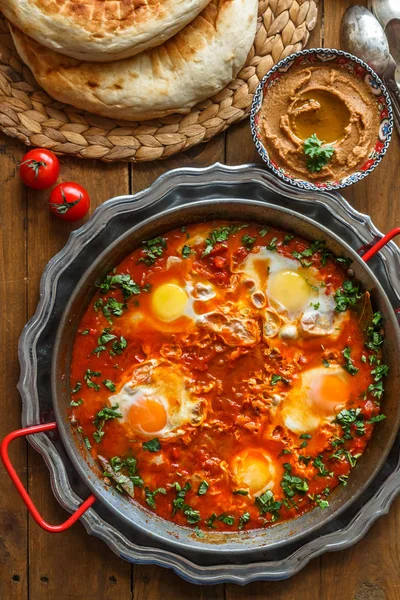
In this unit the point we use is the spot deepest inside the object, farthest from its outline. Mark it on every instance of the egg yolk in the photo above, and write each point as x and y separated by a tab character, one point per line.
169	301
328	391
288	289
147	415
253	469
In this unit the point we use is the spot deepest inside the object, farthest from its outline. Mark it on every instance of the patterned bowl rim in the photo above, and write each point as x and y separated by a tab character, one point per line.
307	185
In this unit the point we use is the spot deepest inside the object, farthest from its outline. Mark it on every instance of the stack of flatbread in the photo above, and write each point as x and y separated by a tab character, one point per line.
132	59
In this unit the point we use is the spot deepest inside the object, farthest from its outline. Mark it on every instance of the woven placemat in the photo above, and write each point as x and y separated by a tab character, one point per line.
29	114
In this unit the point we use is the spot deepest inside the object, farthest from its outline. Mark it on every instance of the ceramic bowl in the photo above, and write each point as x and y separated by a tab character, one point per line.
357	67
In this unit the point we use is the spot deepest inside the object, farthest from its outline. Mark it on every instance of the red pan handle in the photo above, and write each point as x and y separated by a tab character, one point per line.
22	491
380	244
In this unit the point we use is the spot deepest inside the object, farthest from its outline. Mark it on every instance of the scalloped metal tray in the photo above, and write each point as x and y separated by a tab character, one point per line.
109	221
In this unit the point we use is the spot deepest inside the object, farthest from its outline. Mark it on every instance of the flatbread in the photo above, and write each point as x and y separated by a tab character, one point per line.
194	65
101	30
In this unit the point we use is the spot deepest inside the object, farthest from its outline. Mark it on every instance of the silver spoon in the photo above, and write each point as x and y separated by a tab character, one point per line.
385	10
362	35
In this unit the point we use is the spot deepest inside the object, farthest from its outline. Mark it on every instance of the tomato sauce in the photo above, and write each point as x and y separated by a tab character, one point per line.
248	427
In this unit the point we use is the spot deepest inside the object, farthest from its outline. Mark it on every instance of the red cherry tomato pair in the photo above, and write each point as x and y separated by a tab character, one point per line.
39	170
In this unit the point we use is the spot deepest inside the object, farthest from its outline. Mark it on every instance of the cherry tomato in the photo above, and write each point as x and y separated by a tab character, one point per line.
39	168
69	201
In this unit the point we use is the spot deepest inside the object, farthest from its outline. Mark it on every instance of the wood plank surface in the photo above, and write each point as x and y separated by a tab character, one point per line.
36	565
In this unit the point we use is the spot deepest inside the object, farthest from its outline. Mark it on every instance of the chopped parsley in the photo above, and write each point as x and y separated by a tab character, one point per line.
243	519
276	378
349	364
87	443
122	280
187	251
377	418
109	385
343	479
322	470
272	245
129	465
185	231
227	519
88	378
347	296
76	402
104	414
77	387
111	308
266	503
326	363
288	237
321	502
203	487
301	257
318	154
192	515
221	234
240	492
248	241
198	532
102	340
118	346
150	496
292	484
263	232
152	249
85	332
152	445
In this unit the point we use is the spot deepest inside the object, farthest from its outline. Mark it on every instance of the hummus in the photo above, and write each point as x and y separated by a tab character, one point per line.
327	101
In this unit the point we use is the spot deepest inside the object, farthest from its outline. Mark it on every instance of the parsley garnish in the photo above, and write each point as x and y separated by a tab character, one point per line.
288	237
105	414
347	296
76	402
321	503
263	232
109	385
349	364
151	495
240	492
221	234
111	307
198	532
152	250
152	445
187	251
77	387
123	280
292	484
266	503
88	378
118	346
243	519
87	443
272	245
275	378
85	332
326	363
318	464
300	257
184	230
104	338
203	487
248	241
319	154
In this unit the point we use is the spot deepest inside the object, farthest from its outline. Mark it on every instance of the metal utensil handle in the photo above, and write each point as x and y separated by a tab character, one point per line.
22	491
380	244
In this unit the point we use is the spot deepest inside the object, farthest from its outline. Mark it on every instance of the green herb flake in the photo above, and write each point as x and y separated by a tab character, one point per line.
347	296
103	415
240	492
77	387
276	378
76	402
85	332
203	488
187	251
109	385
266	503
243	519
272	245
152	445
88	378
248	241
349	364
318	154
288	237
152	250
326	363
198	532
150	496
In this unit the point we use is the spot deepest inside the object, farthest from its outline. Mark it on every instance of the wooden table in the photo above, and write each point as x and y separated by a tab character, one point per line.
73	565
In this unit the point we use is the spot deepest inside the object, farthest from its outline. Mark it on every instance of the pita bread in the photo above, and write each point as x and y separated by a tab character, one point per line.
193	66
101	30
